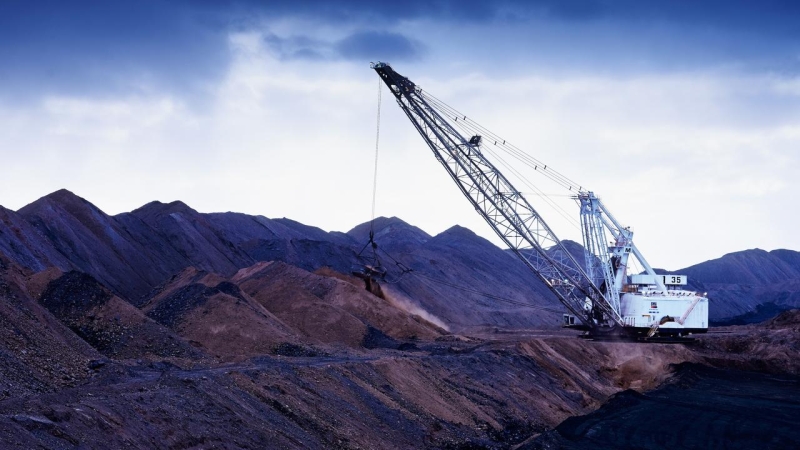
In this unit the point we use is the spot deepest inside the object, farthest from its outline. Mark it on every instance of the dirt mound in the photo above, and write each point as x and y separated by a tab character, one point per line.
37	283
272	303
187	276
195	236
98	244
37	353
627	365
73	295
109	324
215	314
279	289
771	347
328	309
172	309
786	319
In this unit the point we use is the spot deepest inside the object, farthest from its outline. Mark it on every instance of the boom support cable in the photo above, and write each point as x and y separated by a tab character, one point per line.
470	126
463	122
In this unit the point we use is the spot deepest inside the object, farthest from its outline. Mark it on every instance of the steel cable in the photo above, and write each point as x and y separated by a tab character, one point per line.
459	118
377	147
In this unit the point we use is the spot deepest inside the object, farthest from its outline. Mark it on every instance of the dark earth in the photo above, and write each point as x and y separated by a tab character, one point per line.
700	408
168	328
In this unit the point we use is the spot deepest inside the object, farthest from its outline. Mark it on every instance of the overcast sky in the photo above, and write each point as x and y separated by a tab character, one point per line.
683	116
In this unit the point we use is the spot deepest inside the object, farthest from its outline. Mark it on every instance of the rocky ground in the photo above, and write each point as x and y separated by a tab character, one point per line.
742	392
491	391
699	408
452	393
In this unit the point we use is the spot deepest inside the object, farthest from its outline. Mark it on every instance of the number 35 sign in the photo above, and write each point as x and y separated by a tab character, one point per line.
674	280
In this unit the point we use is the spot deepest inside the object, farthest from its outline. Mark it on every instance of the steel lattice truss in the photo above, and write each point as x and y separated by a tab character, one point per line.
596	254
514	220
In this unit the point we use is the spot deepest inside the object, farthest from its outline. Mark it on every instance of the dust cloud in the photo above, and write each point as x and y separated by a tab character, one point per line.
399	300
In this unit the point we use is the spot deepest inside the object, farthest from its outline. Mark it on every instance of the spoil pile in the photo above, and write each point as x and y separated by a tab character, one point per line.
328	309
109	324
215	314
37	352
771	346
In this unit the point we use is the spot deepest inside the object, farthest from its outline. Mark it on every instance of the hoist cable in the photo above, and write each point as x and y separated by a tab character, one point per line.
371	243
377	147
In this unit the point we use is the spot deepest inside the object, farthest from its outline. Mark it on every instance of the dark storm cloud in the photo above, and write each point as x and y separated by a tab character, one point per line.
108	46
652	36
382	12
296	47
99	45
372	44
358	46
766	16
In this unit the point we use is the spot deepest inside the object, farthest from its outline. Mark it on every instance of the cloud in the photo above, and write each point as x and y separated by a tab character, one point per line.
578	10
369	45
387	13
296	47
99	47
575	35
674	155
362	46
766	17
650	105
107	47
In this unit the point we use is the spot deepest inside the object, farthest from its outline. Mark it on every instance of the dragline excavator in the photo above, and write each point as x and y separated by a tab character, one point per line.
602	298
